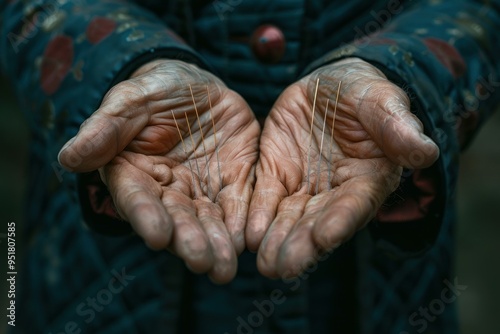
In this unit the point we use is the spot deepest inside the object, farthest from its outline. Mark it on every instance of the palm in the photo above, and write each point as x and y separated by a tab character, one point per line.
182	183
306	155
204	162
315	190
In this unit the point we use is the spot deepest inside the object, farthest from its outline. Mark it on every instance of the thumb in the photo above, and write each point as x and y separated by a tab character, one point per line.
107	132
385	114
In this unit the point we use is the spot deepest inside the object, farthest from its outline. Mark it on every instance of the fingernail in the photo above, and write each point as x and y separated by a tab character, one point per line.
427	139
68	143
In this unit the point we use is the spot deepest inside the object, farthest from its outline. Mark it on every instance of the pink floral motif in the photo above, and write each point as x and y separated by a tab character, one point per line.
447	55
99	28
56	63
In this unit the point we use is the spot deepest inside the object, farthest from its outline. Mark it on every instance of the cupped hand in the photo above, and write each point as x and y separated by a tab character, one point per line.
181	182
314	191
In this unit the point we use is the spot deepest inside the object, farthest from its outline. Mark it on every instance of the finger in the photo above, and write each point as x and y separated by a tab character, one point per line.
190	241
122	115
384	111
234	200
224	254
299	251
137	199
290	211
350	207
267	195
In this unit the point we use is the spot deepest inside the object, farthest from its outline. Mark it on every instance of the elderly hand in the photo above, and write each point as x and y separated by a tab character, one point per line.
313	193
184	195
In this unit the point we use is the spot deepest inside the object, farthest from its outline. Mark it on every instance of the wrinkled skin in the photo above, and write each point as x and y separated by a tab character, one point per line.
306	200
293	217
163	187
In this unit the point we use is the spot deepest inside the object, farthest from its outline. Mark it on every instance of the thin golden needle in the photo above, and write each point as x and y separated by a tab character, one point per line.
202	141
185	152
321	147
194	149
310	139
331	138
215	139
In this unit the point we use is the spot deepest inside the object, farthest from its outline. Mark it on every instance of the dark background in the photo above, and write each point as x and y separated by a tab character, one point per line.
477	263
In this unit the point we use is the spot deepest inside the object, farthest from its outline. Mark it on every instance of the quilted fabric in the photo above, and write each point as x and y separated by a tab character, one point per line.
63	56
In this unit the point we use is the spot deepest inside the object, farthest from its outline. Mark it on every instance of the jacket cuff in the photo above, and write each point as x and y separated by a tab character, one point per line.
98	210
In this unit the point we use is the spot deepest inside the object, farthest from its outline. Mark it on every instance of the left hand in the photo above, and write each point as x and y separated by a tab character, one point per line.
307	200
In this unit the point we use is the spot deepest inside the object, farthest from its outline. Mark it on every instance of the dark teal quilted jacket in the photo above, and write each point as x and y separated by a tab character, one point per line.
62	56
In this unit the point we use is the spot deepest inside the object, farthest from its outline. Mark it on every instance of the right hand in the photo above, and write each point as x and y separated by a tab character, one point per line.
175	200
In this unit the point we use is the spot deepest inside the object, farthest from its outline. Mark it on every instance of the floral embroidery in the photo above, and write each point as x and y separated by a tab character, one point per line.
56	63
447	55
99	28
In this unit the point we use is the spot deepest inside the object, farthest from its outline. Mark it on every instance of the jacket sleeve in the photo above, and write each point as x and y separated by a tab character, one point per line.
63	56
443	54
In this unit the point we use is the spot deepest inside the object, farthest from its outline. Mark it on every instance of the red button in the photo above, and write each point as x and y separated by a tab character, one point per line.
268	43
